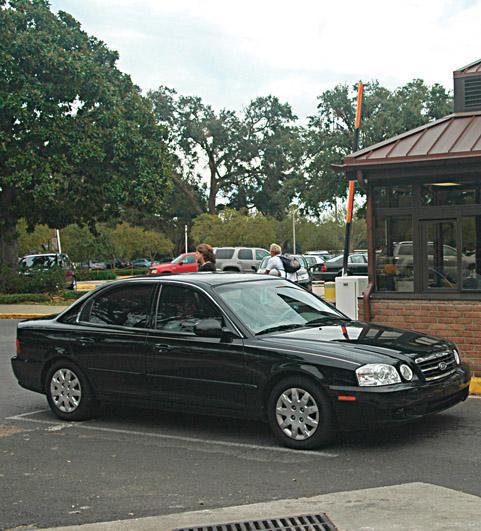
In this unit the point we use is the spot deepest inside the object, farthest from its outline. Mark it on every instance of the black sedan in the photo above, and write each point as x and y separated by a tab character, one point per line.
237	345
356	265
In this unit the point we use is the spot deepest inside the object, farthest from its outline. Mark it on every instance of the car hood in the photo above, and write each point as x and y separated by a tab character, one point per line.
359	342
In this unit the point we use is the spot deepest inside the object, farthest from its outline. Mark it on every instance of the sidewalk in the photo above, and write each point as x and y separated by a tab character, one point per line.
406	507
28	311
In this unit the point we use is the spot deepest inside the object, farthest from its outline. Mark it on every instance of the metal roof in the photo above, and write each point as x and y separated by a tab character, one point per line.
472	68
457	136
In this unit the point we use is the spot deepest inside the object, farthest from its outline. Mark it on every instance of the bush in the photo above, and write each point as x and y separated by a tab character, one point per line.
14	298
51	281
82	275
73	294
131	271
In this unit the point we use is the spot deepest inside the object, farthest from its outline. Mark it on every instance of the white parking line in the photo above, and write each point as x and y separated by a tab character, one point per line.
210	442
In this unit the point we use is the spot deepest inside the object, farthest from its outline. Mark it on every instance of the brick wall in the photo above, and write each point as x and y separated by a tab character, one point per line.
458	321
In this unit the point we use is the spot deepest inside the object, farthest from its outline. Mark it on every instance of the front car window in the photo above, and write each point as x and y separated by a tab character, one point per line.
273	305
181	308
38	261
261	253
124	306
178	259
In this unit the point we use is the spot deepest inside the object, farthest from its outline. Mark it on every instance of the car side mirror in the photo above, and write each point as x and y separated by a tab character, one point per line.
208	328
181	262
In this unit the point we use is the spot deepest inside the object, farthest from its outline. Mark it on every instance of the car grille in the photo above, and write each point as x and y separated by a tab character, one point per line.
437	366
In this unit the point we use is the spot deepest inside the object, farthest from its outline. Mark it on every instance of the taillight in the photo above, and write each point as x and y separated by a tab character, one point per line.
18	346
324	267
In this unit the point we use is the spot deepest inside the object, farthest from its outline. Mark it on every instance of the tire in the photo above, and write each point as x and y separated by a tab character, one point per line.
281	411
69	393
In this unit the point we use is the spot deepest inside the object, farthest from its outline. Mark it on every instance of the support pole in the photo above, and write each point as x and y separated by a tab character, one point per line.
350	196
186	239
59	246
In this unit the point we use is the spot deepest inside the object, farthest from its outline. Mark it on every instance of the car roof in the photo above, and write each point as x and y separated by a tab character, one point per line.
205	278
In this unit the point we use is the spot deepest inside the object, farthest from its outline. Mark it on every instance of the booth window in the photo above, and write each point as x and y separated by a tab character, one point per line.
450	193
393	196
471	253
394	254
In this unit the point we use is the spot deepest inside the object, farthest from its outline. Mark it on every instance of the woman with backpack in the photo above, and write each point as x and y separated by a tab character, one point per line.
282	264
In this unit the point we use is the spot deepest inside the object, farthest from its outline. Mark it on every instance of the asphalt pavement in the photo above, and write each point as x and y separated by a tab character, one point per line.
129	464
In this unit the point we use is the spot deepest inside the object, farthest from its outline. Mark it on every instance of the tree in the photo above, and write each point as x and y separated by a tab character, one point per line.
267	160
203	136
234	228
328	137
77	140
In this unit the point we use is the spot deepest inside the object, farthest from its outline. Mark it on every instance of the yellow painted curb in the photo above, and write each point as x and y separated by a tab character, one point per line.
24	315
86	286
475	386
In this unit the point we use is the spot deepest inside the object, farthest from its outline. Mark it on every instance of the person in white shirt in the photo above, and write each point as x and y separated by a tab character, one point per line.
275	264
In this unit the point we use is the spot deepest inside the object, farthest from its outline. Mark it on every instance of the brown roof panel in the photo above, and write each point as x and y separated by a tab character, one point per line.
405	145
450	136
472	68
453	136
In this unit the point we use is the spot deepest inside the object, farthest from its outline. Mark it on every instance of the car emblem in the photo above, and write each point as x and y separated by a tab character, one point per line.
442	366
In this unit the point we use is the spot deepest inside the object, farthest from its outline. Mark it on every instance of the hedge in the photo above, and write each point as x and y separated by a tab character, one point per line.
12	298
51	281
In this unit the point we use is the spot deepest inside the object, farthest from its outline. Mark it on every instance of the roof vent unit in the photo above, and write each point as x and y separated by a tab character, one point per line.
467	88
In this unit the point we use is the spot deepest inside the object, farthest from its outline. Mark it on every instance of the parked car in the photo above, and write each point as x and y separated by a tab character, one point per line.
44	262
313	259
325	255
184	263
239	259
118	263
141	263
93	265
356	265
303	276
237	345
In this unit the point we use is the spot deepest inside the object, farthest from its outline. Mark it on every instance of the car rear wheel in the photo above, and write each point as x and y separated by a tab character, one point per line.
299	414
68	392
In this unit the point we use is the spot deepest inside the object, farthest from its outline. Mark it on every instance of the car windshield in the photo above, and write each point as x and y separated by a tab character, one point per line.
44	261
267	306
178	259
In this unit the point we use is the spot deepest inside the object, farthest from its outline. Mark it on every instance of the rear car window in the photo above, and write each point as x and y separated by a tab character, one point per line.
224	254
245	254
124	306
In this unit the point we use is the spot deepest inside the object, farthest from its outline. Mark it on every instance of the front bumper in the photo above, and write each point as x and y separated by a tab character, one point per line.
398	403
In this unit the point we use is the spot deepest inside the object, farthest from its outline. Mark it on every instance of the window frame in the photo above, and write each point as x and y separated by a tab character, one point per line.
106	290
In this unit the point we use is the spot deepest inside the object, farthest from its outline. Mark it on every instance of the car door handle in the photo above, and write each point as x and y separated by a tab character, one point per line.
162	347
86	340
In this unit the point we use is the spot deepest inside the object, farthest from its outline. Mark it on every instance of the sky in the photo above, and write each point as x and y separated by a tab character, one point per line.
228	52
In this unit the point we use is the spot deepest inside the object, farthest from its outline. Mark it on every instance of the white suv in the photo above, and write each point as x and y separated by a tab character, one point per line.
239	259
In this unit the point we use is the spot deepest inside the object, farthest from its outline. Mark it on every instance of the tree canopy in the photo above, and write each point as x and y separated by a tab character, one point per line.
77	139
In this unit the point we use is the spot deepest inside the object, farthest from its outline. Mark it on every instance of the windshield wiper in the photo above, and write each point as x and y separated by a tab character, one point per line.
278	328
326	320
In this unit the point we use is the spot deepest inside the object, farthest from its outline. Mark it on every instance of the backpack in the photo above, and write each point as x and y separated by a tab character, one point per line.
291	264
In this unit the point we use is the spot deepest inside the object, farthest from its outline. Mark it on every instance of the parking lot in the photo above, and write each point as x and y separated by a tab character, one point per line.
135	463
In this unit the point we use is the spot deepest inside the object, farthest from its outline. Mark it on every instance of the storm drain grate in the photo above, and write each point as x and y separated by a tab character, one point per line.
303	522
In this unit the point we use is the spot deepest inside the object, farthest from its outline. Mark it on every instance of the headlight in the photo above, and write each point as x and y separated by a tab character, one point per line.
457	359
376	374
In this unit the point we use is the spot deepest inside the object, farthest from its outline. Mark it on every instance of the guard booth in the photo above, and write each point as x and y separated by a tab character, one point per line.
424	223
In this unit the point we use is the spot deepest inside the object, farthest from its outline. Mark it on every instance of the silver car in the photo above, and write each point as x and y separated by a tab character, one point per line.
239	259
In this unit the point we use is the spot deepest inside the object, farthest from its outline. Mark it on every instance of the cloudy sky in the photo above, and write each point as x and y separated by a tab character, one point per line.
230	51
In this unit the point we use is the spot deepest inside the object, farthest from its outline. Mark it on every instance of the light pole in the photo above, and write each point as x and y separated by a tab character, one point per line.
186	239
294	231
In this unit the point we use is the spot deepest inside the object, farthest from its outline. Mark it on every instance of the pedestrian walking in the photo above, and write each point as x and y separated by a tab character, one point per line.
275	265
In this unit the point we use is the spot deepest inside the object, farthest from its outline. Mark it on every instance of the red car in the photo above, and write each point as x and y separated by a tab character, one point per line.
184	263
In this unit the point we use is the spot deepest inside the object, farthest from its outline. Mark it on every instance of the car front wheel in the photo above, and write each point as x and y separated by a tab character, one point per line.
68	392
299	414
